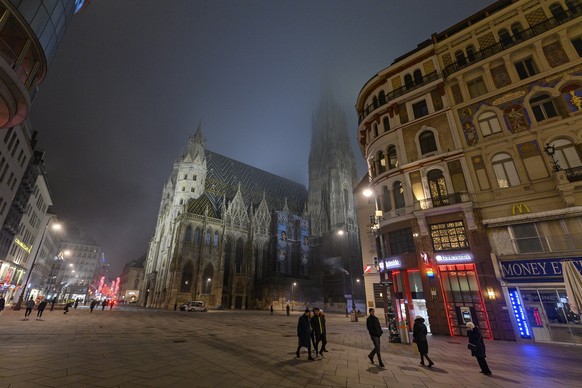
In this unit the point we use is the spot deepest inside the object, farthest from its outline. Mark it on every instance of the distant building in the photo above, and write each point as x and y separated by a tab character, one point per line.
473	145
131	281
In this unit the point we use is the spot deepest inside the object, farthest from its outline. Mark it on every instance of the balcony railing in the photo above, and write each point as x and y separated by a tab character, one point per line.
550	243
574	174
443	200
518	37
397	93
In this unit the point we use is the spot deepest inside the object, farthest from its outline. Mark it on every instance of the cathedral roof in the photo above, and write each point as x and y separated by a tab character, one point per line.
224	175
201	204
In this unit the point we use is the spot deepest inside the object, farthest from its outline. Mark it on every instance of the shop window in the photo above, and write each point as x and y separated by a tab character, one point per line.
386	123
420	109
448	236
392	157
398	192
577	43
527	238
427	142
401	241
543	107
476	87
505	171
565	154
526	68
489	123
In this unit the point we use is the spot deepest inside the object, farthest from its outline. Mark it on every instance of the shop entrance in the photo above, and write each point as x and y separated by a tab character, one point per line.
409	297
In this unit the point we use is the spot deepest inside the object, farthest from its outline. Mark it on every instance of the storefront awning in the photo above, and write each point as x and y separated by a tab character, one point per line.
573	283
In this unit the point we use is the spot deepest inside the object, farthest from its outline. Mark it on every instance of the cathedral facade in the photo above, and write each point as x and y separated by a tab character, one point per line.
237	237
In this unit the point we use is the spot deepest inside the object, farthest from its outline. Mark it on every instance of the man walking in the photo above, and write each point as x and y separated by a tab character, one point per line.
29	305
317	330
93	304
40	309
304	334
375	330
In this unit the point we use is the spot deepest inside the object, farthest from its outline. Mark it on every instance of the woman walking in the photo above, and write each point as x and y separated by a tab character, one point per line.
419	332
477	347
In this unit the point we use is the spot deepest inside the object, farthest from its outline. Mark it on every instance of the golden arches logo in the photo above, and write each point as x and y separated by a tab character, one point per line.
519	207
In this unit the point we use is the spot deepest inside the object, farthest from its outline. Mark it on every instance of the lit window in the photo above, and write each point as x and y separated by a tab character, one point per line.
505	171
449	236
565	154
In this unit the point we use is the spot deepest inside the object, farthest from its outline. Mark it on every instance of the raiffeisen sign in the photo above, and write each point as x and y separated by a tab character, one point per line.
453	258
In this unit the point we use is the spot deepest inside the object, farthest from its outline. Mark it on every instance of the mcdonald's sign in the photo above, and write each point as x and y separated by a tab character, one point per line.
519	208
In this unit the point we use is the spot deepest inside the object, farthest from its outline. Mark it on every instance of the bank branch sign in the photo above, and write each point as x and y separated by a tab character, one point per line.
540	270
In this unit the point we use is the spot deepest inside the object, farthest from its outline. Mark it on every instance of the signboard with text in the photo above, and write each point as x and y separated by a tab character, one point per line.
536	270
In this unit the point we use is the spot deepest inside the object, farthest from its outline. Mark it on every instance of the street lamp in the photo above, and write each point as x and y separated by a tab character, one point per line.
56	226
551	151
208	285
353	296
292	286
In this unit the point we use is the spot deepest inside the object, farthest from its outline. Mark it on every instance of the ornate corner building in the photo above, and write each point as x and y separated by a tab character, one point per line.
473	142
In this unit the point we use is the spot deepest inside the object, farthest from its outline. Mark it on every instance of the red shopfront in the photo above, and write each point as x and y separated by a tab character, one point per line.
461	291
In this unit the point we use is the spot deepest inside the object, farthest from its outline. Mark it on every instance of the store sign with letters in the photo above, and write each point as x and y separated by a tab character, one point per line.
541	270
453	258
388	264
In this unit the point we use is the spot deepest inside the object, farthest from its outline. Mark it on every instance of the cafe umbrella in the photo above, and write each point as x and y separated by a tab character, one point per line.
573	283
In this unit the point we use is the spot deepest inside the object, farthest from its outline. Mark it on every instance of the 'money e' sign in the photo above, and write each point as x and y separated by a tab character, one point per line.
536	269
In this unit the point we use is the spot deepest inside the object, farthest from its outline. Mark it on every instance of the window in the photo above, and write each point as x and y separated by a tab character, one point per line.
188	235
448	236
375	102
438	188
375	130
526	238
392	157
577	43
381	163
505	37
516	30
197	235
207	237
489	123
185	284
408	81
420	109
382	97
427	142
239	254
386	202
525	68
460	57
566	154
386	123
505	171
401	241
417	75
558	12
216	238
543	107
470	52
398	192
476	87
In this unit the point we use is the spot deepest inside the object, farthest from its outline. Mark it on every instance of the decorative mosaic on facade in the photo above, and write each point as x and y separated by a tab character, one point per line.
555	54
528	149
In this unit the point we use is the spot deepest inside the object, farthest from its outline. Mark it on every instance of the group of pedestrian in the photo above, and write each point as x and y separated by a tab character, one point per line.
311	330
30	304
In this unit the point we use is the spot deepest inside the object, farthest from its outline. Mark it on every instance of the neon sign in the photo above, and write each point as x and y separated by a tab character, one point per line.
22	245
519	314
454	257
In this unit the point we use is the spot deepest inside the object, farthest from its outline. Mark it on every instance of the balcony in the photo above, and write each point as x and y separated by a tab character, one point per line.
444	200
518	37
574	174
397	93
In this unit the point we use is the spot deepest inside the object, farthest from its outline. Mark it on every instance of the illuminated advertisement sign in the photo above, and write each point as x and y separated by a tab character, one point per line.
542	270
453	257
388	264
519	313
22	245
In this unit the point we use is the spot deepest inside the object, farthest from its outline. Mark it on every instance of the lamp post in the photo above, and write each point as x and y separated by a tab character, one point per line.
292	287
208	285
551	151
21	296
353	296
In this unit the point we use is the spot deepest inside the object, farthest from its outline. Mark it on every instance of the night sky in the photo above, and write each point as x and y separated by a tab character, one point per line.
133	79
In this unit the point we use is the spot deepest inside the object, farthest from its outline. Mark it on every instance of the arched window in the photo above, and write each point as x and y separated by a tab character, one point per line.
186	281
197	235
398	192
566	154
375	102
381	162
392	157
238	259
558	12
438	188
188	234
216	238
386	123
427	142
543	107
505	37
227	261
346	202
375	130
505	171
460	57
207	236
386	202
417	75
470	49
489	123
207	277
408	82
382	97
516	30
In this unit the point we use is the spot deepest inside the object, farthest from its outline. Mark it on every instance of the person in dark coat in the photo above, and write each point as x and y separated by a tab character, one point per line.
29	306
419	332
288	309
40	309
375	330
76	303
324	334
317	328
67	306
477	347
53	303
2	304
93	304
103	304
304	334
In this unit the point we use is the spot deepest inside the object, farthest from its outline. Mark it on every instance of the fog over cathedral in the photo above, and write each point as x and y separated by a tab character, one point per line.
235	236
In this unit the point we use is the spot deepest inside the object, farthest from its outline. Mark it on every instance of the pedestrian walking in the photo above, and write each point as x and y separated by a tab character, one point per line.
53	303
76	303
103	304
288	309
29	305
317	328
111	303
419	332
40	309
304	334
271	309
375	330
92	305
477	347
2	303
67	306
324	332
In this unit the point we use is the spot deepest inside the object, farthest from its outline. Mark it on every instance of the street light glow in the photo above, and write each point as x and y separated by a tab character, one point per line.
367	193
340	232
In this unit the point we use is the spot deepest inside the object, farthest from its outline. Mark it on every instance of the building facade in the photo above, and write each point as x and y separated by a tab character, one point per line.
465	138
